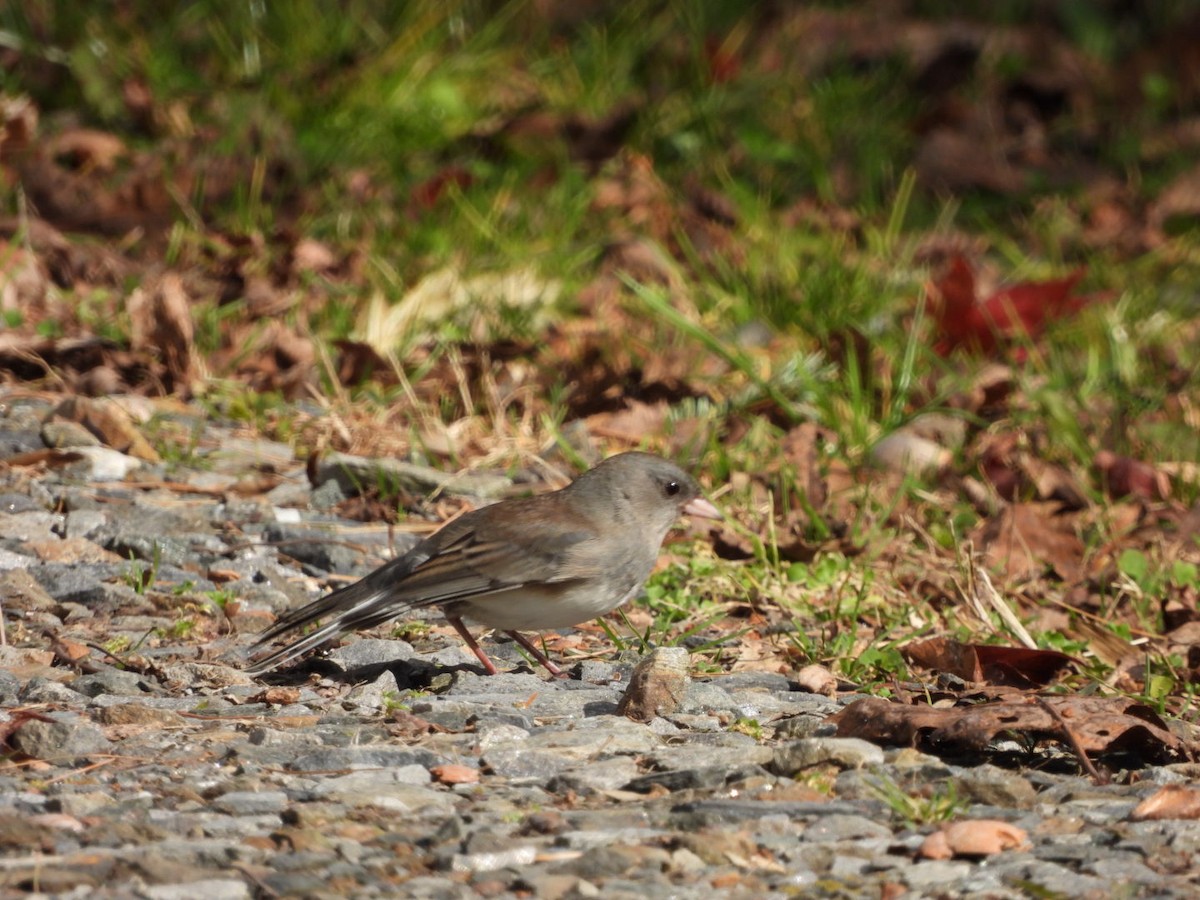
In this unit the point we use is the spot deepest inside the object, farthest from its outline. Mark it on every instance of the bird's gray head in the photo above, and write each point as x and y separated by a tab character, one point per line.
654	490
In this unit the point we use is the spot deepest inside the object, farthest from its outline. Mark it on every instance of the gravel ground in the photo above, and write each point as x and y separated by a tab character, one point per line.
393	770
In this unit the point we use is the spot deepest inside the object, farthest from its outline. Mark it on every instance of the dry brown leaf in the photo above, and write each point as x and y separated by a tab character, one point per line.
817	680
1026	538
1125	477
161	326
87	148
631	424
1098	725
988	664
974	837
452	773
1172	801
109	421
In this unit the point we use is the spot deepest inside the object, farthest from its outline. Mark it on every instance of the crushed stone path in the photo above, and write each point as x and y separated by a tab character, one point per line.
142	762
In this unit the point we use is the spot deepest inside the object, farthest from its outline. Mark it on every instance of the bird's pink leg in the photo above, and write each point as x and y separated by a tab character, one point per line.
537	654
470	642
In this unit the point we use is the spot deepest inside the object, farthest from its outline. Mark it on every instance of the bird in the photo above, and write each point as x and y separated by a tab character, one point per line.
529	564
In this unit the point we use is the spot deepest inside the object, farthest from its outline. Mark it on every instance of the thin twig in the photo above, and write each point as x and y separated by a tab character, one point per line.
1097	776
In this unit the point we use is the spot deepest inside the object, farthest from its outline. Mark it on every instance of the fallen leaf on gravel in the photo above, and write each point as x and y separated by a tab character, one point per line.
61	821
1100	725
1172	801
976	837
109	421
817	680
277	696
70	651
454	774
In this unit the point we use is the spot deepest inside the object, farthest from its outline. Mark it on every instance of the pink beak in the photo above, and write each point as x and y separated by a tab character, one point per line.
702	509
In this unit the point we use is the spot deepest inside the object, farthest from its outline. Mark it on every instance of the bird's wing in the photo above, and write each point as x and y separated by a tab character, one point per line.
472	564
468	558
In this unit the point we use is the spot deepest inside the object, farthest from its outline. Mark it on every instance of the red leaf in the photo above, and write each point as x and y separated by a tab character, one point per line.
1019	311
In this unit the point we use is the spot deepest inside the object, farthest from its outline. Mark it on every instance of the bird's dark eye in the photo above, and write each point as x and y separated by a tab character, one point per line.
672	488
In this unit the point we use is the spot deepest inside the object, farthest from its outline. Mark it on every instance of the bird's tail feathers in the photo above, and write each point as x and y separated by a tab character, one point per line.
361	605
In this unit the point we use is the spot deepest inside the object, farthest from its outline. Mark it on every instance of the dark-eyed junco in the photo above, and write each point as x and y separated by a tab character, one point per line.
544	562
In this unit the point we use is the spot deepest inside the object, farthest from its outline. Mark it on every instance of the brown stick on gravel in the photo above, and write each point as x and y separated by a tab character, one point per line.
1097	776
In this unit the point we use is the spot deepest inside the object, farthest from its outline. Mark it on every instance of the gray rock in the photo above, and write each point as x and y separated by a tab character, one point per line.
62	434
250	803
11	560
848	753
86	583
326	496
86	523
353	473
32	525
598	737
44	690
208	888
598	671
388	793
493	735
13	503
804	725
14	441
997	787
934	874
714	813
67	740
358	757
371	652
380	695
523	763
321	549
704	779
1049	877
602	775
109	681
704	696
837	827
10	688
102	464
764	682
